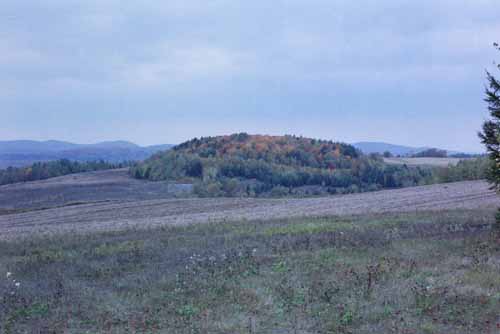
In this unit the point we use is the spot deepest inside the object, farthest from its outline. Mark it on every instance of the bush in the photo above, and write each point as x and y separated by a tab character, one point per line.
208	189
279	191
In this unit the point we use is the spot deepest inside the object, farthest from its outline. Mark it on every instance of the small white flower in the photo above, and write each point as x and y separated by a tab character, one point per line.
254	250
18	284
9	274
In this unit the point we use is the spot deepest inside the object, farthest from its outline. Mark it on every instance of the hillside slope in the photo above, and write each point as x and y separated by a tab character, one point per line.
251	165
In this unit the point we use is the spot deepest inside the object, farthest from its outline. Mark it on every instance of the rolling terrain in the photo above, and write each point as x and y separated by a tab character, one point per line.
110	200
99	186
19	153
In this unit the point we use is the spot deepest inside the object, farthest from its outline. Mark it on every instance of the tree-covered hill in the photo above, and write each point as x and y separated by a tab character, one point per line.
283	150
256	165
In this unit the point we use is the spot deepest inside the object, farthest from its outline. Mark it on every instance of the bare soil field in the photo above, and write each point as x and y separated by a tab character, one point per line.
109	201
107	185
436	162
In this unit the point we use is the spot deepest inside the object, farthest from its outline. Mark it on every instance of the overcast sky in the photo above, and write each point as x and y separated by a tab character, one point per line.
406	72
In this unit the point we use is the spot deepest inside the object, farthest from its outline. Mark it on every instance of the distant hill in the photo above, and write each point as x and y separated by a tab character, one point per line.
18	153
380	147
254	165
32	146
406	151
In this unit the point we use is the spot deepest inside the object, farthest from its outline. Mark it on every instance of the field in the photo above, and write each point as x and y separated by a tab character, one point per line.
107	185
109	200
114	255
436	162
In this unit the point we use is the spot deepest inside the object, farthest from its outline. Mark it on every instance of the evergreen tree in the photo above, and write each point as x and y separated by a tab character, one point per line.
490	136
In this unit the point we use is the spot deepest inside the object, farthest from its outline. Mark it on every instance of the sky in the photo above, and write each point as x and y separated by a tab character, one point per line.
151	72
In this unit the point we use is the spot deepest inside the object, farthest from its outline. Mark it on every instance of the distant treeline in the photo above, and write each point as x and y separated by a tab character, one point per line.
244	165
239	177
431	153
464	170
437	153
46	170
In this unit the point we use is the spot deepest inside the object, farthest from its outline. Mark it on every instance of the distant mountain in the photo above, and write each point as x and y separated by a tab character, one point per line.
380	147
121	144
19	153
32	146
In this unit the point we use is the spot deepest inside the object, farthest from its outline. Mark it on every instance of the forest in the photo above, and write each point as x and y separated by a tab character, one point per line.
255	165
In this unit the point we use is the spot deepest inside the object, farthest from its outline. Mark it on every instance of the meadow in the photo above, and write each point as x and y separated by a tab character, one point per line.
420	272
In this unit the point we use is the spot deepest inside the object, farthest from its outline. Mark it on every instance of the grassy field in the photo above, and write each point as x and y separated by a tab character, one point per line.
426	272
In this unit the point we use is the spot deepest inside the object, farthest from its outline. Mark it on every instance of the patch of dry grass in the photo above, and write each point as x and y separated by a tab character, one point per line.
398	273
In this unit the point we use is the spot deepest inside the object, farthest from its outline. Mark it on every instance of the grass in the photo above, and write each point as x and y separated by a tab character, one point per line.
400	273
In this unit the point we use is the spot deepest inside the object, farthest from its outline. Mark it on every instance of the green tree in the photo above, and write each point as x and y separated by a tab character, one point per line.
490	136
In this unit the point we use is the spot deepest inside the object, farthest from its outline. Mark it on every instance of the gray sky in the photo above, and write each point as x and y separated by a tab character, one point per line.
406	72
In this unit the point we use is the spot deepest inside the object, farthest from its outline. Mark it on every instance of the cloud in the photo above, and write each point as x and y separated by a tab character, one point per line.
210	58
171	65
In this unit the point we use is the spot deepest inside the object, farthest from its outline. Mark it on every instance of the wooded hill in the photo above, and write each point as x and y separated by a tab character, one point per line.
250	165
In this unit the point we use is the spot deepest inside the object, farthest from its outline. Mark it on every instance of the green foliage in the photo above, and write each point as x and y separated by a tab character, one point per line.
246	165
469	169
431	153
46	170
490	136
